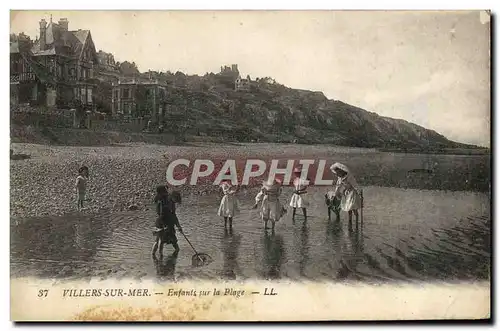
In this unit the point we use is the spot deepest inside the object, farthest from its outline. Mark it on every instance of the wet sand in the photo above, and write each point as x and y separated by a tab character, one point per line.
127	174
406	235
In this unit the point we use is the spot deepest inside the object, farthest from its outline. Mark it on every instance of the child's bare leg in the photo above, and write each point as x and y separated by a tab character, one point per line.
176	248
304	211
356	213
230	222
265	225
155	247
273	223
293	212
329	214
225	222
162	244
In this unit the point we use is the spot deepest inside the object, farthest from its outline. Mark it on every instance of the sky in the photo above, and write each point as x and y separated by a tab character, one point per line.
429	68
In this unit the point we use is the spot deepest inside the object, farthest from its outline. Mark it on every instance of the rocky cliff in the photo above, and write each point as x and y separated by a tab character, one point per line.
272	112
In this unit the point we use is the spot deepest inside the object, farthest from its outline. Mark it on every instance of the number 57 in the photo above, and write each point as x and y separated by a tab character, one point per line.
43	293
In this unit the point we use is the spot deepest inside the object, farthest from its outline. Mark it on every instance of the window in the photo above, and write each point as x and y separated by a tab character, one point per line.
82	95
89	95
126	93
34	92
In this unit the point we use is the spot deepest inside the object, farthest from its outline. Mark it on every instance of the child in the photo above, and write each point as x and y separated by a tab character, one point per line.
333	204
298	199
348	189
271	208
166	220
81	185
228	207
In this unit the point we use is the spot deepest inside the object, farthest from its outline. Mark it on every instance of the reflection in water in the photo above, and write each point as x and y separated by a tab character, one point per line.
304	249
273	255
165	267
57	245
406	235
230	244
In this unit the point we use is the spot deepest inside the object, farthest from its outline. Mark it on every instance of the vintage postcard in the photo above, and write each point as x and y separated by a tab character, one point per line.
250	165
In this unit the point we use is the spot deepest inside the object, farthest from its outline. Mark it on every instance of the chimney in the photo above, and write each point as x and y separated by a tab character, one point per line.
43	30
63	23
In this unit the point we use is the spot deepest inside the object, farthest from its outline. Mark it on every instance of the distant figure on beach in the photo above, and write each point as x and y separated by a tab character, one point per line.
81	185
271	207
299	199
166	220
228	207
348	189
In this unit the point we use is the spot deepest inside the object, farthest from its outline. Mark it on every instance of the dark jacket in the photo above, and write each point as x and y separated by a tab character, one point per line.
165	209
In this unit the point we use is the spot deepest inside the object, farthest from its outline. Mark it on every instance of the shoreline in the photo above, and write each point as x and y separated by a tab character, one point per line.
57	136
43	184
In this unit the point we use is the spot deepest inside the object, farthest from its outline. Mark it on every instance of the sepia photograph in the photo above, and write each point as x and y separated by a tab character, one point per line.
175	150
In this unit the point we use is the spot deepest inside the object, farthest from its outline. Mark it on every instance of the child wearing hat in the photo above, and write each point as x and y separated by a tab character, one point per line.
299	199
271	208
348	189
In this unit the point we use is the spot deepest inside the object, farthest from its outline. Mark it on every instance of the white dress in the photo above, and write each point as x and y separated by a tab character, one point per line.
271	207
229	204
299	200
81	187
349	190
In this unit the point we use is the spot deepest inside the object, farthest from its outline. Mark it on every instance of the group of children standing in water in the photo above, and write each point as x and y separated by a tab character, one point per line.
345	192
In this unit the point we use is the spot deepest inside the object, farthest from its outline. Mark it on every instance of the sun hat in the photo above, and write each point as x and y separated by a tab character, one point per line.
340	166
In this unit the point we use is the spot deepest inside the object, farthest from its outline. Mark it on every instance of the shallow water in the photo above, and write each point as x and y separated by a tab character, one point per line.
406	235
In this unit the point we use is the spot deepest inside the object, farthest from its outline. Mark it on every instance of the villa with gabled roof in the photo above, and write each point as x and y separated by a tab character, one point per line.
57	69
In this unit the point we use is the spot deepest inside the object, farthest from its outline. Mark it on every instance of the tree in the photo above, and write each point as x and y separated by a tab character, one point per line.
128	69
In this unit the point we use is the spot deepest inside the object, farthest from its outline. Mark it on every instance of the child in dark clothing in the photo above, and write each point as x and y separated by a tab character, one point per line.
166	220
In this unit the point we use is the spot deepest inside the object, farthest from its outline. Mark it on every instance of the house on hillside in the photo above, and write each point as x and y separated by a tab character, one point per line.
135	98
241	84
57	69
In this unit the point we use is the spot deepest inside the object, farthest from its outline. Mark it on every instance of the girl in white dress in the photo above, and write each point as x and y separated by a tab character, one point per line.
299	199
81	185
348	189
228	207
271	207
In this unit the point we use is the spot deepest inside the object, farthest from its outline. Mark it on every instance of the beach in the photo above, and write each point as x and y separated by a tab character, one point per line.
127	174
412	222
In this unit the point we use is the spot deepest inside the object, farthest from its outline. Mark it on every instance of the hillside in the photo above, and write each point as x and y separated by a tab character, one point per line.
210	106
267	111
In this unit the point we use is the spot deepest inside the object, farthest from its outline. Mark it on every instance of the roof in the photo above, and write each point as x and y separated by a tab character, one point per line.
62	42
